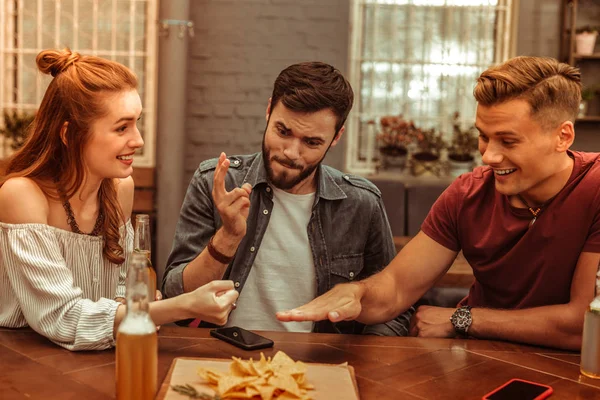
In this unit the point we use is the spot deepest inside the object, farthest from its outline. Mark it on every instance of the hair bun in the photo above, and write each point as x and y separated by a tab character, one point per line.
54	62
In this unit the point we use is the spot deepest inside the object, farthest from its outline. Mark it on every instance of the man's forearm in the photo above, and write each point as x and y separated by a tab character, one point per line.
558	326
381	300
204	268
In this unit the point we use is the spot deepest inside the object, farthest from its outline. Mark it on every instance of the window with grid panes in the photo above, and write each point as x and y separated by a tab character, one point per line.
419	59
119	30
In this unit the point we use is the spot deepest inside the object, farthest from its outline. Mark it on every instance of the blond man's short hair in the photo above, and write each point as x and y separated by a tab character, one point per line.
552	88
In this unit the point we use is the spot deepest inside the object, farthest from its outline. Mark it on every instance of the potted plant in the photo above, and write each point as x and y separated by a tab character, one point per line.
460	151
585	40
15	130
587	95
393	138
429	145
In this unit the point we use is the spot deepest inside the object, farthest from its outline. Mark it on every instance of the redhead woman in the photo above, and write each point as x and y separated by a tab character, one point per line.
65	206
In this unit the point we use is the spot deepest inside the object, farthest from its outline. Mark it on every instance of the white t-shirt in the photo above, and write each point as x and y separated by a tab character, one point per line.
283	274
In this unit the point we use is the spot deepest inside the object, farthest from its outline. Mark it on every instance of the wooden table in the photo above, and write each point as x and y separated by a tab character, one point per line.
31	367
460	274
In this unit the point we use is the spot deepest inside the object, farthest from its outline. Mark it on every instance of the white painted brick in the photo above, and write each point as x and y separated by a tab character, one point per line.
223	95
212	15
198	109
250	110
258	96
245	51
239	49
253	81
325	12
198	126
326	30
229	3
304	2
256	126
224	110
277	12
196	94
213	80
231	64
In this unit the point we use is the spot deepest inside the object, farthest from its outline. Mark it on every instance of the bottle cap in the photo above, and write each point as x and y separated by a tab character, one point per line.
595	305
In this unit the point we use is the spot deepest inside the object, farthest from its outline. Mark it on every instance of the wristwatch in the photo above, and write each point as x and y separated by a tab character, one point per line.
461	319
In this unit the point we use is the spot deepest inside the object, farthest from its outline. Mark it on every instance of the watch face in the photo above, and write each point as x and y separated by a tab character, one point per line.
461	319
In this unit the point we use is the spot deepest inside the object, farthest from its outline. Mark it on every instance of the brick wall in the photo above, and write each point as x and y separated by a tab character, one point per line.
239	49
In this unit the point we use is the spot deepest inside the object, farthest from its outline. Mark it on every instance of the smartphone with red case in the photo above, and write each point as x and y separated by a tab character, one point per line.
519	389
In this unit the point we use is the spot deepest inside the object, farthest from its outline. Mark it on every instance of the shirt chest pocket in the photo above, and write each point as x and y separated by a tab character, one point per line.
346	268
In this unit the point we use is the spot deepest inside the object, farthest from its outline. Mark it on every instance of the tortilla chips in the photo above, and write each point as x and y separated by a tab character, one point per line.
279	378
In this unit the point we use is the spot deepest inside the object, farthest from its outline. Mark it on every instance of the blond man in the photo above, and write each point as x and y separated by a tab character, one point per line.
528	223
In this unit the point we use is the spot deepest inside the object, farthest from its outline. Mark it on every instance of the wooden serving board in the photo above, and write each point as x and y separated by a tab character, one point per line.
330	381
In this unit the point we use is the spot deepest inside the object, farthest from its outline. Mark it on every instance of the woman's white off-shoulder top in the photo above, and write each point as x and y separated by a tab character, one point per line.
58	283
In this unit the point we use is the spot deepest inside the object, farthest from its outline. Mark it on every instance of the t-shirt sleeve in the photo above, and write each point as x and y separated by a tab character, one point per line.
592	243
441	223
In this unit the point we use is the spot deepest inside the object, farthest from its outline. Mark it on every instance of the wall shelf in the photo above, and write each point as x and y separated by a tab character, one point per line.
591	118
595	56
577	14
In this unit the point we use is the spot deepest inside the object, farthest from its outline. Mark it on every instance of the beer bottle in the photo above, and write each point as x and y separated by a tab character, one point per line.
137	345
142	244
590	342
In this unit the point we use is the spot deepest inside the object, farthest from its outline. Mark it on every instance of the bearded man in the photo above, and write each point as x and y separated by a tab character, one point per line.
281	225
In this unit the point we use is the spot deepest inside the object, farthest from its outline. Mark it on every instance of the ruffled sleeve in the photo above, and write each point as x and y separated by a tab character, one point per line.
52	304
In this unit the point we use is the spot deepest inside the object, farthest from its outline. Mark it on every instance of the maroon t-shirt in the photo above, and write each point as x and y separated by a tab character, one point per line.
517	266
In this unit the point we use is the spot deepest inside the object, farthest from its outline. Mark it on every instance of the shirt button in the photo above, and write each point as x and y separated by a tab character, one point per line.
252	248
351	275
268	189
346	177
236	162
265	212
237	284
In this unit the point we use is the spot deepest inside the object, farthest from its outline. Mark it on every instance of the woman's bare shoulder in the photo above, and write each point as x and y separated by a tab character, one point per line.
125	190
22	201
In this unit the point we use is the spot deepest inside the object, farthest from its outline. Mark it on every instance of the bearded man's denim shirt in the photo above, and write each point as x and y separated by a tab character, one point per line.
348	232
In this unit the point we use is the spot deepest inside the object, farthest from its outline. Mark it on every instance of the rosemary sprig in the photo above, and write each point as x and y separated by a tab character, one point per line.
192	393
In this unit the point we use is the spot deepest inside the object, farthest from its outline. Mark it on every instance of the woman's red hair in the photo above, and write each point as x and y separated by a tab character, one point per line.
76	95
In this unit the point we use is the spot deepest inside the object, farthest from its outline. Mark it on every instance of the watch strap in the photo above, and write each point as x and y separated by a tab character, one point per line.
216	254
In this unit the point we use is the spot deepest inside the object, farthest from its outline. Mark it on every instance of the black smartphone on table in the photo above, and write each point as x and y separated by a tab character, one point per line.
242	338
520	389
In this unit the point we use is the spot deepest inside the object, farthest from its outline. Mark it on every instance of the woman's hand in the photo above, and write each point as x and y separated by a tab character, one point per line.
212	302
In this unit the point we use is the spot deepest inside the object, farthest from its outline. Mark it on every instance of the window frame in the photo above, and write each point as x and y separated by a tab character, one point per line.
352	162
11	33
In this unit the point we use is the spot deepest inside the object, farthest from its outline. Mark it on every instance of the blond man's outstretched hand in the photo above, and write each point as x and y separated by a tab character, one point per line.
342	303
